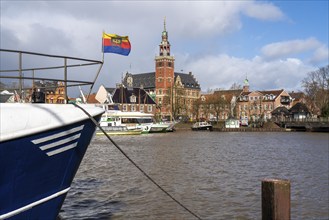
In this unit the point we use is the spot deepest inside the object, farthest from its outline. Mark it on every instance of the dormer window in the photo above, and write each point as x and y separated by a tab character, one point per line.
133	99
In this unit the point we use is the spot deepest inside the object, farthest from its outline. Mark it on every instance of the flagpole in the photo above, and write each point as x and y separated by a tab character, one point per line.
103	46
99	69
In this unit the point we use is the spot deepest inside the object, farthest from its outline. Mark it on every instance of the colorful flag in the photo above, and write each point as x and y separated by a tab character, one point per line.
113	43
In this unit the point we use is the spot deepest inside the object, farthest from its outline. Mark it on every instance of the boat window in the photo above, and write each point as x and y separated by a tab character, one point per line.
144	120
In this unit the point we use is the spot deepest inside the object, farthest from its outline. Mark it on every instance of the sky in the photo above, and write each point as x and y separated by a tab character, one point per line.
272	43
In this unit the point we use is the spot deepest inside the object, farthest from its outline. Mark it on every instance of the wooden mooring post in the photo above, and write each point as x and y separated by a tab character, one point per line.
275	199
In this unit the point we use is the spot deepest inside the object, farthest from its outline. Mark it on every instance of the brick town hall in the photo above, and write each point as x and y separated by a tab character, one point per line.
173	92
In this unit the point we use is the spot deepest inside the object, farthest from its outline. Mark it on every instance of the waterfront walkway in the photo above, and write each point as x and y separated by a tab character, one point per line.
268	127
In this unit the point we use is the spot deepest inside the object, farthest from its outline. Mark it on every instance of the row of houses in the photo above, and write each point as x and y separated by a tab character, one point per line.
249	105
219	105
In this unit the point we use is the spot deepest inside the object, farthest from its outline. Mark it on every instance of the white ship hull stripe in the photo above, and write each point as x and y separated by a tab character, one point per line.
60	150
31	205
60	134
60	142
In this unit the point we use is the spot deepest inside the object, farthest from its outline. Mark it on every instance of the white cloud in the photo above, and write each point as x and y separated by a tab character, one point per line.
222	71
286	48
74	28
320	54
263	11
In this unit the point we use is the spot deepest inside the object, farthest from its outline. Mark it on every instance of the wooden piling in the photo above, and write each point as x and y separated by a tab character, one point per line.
275	199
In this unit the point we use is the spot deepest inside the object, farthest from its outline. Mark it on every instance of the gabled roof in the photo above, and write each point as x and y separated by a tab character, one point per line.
122	95
48	85
276	93
245	93
110	90
272	92
188	80
298	108
297	95
280	110
91	98
228	94
147	80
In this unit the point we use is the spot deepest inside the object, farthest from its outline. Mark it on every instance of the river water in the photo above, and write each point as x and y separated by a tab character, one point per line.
216	175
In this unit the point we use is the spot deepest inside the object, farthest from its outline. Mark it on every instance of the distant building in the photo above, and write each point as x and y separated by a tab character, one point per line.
297	97
6	96
126	99
259	104
173	92
300	111
54	91
280	114
219	105
246	105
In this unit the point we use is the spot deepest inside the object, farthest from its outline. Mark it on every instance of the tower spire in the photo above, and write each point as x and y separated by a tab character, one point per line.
165	45
246	84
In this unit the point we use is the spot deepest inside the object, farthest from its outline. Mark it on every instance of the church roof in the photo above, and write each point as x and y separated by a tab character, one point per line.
122	95
147	80
188	80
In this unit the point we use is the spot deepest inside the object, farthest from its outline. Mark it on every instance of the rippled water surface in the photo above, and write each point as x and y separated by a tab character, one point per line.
216	175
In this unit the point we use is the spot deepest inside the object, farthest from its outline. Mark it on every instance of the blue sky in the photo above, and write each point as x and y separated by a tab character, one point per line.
274	43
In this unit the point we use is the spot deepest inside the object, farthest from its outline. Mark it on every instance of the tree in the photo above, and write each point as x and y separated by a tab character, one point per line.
235	86
316	87
196	106
218	102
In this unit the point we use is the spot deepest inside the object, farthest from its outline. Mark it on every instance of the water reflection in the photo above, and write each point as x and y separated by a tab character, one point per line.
217	175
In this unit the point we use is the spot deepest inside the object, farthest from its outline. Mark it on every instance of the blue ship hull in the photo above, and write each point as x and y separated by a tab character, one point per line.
36	171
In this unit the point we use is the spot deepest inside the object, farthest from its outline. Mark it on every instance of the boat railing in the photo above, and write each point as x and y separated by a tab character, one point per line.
29	66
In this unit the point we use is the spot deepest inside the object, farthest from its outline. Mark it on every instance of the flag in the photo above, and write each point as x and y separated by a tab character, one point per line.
113	43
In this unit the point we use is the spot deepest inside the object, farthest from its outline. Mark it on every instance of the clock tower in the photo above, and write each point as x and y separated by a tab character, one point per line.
164	75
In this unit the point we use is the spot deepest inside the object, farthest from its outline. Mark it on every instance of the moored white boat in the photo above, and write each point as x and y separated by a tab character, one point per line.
202	125
132	121
41	148
118	130
158	128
